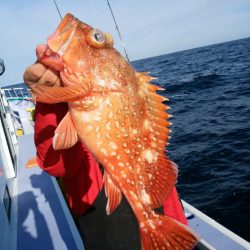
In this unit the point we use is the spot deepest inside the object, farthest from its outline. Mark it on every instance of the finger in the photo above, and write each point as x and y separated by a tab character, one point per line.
50	78
33	73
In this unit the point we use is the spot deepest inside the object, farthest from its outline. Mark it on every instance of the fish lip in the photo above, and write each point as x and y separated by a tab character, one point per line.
49	58
40	51
59	41
51	55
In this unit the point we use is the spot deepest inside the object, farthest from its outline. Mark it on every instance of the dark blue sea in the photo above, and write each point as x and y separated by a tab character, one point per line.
209	92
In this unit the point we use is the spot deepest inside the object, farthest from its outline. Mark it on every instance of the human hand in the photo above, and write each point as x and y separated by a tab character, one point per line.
39	74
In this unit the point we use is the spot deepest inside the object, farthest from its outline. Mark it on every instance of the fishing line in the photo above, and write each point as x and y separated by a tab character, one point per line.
119	33
57	9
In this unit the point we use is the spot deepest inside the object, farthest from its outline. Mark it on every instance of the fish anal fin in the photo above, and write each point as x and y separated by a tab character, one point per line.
162	232
165	175
159	179
65	135
51	95
113	194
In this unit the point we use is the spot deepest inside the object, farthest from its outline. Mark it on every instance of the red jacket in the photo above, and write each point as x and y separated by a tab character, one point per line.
80	172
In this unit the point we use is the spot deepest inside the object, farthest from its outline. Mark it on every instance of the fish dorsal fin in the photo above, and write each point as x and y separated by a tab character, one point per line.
47	94
65	134
156	172
113	194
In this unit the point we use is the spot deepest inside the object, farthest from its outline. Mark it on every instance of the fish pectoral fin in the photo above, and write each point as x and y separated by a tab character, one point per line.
65	134
162	232
113	194
51	95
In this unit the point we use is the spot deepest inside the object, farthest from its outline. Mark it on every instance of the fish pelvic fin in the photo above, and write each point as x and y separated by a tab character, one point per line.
113	194
65	135
162	232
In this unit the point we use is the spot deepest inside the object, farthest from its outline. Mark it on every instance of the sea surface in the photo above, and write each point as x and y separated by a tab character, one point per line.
209	92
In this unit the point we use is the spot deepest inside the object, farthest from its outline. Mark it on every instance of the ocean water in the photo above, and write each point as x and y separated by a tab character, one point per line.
209	92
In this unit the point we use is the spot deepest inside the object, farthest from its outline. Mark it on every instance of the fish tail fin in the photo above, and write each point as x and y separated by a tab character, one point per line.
162	232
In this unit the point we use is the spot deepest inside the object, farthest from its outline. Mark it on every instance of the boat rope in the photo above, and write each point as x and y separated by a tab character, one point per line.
120	36
57	9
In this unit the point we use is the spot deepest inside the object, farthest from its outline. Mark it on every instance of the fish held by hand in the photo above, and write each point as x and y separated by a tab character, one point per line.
117	113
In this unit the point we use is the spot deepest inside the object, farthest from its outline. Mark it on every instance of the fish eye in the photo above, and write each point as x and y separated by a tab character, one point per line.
96	38
99	37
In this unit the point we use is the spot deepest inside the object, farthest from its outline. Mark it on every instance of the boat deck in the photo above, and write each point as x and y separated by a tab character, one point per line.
43	219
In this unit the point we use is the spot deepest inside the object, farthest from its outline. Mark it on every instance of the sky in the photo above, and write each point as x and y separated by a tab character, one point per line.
148	27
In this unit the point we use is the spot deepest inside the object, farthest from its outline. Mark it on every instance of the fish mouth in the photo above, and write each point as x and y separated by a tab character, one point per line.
51	54
49	58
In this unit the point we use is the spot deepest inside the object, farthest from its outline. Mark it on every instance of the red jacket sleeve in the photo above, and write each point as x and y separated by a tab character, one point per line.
173	208
47	118
80	172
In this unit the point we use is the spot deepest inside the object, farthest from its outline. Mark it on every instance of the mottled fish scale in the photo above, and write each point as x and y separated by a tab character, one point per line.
123	122
146	131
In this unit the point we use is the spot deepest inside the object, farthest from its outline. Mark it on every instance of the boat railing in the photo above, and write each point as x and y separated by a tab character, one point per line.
17	93
8	136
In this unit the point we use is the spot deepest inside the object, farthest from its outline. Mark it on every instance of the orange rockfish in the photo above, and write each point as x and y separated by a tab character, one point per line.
118	115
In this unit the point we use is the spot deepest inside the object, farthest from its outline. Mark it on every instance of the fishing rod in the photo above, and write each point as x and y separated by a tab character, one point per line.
119	33
57	9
